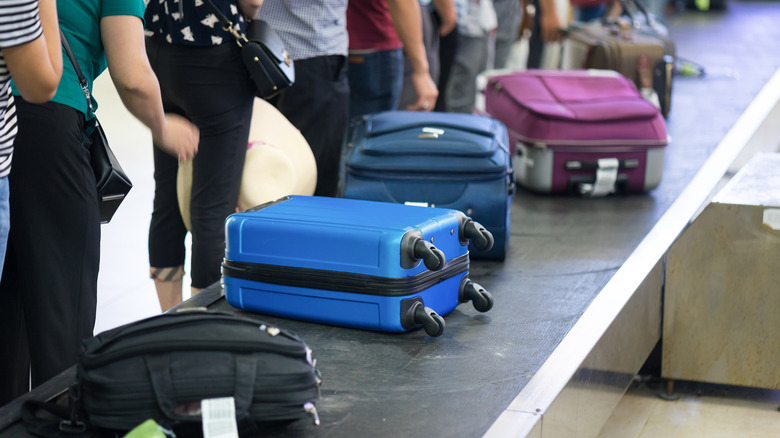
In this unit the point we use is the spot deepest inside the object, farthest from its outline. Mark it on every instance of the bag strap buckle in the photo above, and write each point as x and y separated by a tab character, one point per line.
72	427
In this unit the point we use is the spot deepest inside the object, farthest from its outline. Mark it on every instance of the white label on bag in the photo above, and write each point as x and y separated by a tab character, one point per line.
219	417
772	218
606	175
417	204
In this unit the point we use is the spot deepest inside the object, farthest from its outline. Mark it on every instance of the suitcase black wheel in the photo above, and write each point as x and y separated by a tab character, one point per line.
432	322
432	257
478	235
415	248
481	299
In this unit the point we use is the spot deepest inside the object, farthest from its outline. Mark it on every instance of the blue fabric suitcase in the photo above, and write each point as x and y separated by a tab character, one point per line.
355	263
447	160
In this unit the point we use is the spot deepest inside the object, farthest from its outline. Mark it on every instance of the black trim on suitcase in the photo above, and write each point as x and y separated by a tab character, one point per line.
344	281
268	204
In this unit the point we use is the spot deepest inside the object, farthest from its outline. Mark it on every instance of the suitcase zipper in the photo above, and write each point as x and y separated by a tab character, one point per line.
608	143
427	174
343	281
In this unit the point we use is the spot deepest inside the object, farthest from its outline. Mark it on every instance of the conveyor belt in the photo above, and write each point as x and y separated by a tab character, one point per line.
563	251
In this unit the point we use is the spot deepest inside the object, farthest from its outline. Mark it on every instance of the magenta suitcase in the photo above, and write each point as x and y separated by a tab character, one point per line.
579	131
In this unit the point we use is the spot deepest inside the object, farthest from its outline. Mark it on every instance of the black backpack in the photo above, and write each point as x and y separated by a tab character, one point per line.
162	367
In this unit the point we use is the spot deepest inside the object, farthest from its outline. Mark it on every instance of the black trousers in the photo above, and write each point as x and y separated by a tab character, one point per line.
48	291
318	105
448	46
211	87
535	42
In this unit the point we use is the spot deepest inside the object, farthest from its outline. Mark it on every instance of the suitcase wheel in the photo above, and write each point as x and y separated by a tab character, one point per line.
481	299
478	235
432	257
432	322
415	248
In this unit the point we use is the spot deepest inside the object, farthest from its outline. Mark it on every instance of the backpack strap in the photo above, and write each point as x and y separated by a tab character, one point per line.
53	419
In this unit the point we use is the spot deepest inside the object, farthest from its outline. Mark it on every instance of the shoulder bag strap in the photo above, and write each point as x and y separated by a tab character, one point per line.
227	24
51	419
82	79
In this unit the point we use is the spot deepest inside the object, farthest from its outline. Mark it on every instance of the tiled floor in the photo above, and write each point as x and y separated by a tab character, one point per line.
126	294
703	410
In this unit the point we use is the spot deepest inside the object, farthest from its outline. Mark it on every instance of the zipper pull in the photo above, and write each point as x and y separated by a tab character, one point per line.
312	410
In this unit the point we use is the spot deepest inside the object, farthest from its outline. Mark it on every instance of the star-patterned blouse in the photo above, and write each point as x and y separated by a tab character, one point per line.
191	22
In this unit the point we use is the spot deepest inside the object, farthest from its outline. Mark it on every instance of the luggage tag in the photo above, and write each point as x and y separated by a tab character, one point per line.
606	176
219	418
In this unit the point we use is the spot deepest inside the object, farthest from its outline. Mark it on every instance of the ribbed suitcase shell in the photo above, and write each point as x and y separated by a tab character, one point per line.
341	261
447	160
556	118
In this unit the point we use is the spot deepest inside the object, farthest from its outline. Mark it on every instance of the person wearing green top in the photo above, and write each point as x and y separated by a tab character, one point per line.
49	282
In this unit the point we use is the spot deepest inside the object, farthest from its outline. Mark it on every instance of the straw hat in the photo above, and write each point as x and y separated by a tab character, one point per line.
279	162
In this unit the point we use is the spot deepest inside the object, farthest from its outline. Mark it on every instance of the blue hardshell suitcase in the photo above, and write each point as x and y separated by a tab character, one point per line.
448	160
355	263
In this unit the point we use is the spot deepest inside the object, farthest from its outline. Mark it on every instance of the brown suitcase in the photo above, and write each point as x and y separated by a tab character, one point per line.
616	44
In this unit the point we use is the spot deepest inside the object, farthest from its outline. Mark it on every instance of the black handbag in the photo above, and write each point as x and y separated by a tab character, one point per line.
167	366
268	63
112	181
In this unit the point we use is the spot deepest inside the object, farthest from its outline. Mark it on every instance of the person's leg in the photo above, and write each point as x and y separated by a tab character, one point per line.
318	105
222	110
535	41
508	12
166	233
55	233
5	218
216	181
166	228
375	81
448	46
470	60
14	354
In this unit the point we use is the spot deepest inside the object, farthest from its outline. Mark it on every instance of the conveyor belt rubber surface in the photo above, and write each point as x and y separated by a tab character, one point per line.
563	251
